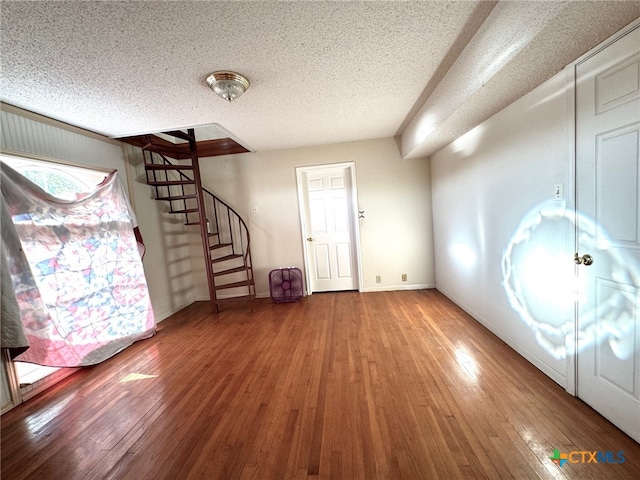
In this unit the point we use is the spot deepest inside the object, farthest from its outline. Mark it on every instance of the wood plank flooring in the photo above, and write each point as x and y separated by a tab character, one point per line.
390	385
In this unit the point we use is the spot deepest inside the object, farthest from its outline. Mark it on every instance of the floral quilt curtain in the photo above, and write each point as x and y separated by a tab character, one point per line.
76	272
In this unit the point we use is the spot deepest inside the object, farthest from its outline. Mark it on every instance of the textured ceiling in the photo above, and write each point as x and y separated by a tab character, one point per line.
320	72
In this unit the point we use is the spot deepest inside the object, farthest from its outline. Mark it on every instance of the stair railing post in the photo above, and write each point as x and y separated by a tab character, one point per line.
203	220
214	201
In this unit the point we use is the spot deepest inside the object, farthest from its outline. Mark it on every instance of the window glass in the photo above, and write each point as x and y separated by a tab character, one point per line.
62	181
58	183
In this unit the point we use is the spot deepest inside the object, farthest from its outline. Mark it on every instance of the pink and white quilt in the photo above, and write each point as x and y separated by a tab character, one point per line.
77	273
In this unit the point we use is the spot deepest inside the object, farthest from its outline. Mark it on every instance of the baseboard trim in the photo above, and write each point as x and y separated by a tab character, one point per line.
391	288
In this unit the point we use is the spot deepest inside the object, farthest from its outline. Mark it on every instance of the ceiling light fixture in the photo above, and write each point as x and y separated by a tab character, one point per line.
228	85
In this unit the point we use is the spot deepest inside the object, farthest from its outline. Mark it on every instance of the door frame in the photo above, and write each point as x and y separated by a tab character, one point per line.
355	224
571	384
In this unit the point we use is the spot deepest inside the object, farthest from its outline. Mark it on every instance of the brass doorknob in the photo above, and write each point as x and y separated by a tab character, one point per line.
309	239
585	259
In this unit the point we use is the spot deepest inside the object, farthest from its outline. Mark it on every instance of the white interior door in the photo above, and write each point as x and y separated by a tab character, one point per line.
608	180
329	228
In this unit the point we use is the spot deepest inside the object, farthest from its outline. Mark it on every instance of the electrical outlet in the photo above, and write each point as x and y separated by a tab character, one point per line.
378	279
404	277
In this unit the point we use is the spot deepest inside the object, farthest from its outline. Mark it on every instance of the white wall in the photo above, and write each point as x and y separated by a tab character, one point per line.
484	184
165	262
396	234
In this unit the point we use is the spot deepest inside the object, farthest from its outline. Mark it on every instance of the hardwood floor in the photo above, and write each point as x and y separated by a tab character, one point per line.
344	386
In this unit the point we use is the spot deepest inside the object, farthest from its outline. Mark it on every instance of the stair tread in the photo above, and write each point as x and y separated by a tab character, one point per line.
230	271
177	197
163	166
242	283
170	182
186	210
220	245
226	257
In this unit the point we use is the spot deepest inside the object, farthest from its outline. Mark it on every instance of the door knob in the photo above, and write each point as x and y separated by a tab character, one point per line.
585	259
309	239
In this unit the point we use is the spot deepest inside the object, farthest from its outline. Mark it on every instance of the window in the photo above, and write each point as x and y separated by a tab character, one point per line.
62	181
57	182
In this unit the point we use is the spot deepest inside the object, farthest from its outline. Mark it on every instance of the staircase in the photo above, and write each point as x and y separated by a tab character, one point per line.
225	237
